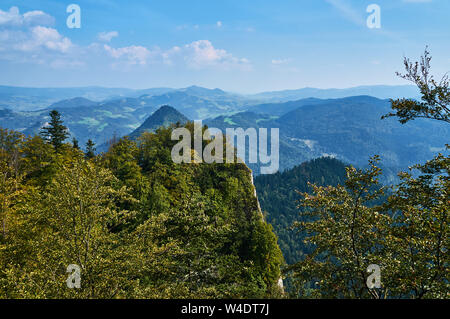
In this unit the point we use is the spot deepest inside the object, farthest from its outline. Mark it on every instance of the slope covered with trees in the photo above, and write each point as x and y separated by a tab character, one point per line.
137	224
277	194
164	116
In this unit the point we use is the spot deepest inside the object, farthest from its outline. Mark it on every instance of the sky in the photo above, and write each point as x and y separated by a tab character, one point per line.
242	46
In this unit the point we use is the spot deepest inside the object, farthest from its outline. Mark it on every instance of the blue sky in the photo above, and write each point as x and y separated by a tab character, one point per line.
238	45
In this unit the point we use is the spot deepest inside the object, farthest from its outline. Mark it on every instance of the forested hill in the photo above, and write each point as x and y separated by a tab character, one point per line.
137	224
279	199
164	116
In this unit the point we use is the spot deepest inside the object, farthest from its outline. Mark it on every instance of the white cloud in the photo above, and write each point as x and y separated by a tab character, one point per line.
107	36
27	38
196	55
132	54
38	18
49	38
13	18
35	42
280	61
201	53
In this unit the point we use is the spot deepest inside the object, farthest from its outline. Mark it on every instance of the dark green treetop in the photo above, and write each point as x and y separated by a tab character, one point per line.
90	149
55	132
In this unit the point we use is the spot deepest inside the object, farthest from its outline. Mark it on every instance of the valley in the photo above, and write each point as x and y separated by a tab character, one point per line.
349	128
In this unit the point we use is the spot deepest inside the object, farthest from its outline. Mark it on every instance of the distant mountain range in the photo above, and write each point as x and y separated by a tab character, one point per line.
349	128
100	121
378	91
33	99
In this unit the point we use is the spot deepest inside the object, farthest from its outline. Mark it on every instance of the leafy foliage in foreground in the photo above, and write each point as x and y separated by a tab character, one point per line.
407	236
435	101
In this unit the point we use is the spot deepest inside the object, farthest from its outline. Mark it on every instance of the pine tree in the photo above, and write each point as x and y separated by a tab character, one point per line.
55	133
75	144
90	149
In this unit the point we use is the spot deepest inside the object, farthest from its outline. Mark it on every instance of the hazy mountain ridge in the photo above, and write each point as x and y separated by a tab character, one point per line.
309	128
32	99
100	121
349	129
378	91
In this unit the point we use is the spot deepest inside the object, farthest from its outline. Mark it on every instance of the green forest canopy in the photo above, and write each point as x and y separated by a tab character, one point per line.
137	224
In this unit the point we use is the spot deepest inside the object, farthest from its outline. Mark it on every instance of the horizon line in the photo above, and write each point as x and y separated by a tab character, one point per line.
203	87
